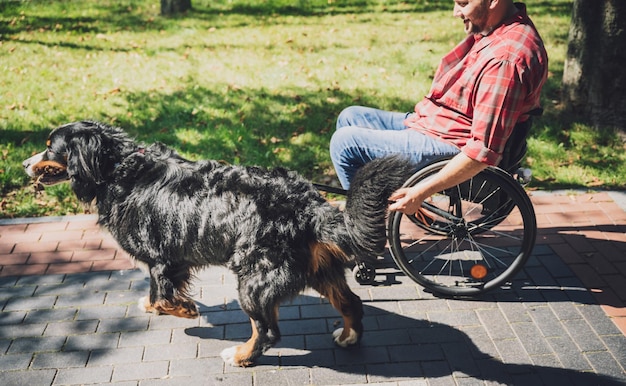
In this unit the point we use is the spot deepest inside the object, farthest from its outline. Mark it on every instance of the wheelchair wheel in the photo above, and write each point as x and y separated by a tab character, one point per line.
468	239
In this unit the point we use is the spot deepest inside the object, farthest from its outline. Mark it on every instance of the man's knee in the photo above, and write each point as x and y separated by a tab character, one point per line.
348	116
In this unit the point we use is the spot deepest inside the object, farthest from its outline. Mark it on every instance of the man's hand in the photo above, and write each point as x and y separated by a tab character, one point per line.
459	169
406	200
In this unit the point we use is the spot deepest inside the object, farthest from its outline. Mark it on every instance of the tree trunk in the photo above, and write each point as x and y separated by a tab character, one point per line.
594	80
170	7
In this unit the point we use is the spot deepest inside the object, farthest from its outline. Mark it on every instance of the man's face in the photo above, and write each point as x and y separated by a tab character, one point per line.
474	13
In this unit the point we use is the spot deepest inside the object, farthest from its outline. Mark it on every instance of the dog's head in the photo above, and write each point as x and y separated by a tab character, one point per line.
84	153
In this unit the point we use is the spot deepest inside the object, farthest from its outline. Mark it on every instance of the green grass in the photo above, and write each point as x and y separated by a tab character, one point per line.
248	81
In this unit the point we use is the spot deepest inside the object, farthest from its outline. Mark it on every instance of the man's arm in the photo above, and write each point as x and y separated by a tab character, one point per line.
460	169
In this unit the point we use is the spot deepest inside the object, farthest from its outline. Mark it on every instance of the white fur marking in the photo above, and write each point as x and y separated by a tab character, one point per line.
33	161
352	338
228	355
141	303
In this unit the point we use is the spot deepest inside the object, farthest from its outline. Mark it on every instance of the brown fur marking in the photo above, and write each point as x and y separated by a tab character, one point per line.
323	254
182	308
244	351
50	168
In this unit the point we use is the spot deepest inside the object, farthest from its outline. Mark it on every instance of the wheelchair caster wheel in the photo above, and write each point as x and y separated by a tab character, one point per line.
364	273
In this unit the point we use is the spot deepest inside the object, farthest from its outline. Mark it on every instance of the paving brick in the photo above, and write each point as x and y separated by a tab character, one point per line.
84	375
122	325
158	322
92	342
59	289
83	299
12	318
62	235
142	338
202	368
283	377
22	330
614	343
54	257
140	371
363	355
111	265
303	326
40	280
31	377
547	322
531	338
512	351
37	344
112	356
40	246
415	352
170	352
604	363
598	320
7	258
480	345
24	269
71	328
15	361
102	312
225	317
58	360
72	267
568	353
339	375
495	324
8	281
566	311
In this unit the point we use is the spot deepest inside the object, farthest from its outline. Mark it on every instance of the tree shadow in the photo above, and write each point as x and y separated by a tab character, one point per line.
109	18
288	128
122	16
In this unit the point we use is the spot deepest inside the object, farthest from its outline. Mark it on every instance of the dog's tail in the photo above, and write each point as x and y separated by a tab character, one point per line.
367	202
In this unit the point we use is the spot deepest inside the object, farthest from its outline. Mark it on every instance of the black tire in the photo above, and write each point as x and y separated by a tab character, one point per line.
485	226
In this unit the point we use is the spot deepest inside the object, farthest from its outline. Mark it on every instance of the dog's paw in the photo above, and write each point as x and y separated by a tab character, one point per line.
228	355
345	338
233	357
144	305
188	309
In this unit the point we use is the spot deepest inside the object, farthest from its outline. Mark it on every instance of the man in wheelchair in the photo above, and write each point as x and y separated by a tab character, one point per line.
483	90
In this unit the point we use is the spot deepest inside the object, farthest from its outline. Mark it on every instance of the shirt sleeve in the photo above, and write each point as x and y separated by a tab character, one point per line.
497	103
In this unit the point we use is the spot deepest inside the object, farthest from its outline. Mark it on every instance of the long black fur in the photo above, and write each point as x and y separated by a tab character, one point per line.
178	216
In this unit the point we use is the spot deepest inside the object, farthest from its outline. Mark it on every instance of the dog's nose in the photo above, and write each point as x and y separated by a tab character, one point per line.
26	164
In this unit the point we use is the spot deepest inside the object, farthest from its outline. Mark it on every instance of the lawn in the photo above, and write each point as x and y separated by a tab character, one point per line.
254	82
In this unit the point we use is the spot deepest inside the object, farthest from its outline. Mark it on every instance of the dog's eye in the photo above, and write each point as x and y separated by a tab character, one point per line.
52	151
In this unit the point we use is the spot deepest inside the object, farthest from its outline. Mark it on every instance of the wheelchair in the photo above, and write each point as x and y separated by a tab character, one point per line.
468	239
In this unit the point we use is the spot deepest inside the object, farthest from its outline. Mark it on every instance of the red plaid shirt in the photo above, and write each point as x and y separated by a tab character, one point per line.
484	87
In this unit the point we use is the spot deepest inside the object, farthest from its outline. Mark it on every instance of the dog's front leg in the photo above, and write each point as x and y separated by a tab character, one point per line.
167	296
265	334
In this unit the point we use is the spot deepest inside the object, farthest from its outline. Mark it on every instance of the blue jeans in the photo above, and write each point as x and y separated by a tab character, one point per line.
365	133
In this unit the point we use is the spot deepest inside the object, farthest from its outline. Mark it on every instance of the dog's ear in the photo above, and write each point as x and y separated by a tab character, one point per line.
84	164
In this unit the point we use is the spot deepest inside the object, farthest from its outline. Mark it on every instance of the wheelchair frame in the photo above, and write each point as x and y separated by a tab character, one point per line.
468	239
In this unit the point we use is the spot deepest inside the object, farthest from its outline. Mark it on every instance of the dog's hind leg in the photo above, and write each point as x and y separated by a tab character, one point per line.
265	334
336	289
168	292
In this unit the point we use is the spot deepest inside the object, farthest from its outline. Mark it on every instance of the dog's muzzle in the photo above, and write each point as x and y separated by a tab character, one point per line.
46	172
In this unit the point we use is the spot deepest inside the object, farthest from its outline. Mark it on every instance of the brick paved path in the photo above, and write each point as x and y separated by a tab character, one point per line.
68	315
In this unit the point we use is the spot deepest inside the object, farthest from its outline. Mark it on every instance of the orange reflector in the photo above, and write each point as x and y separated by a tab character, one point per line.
478	271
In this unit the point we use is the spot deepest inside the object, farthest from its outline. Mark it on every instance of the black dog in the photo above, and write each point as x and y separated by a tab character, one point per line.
270	227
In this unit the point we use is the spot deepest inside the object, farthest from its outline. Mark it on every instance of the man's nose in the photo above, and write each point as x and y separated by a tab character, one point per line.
456	11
